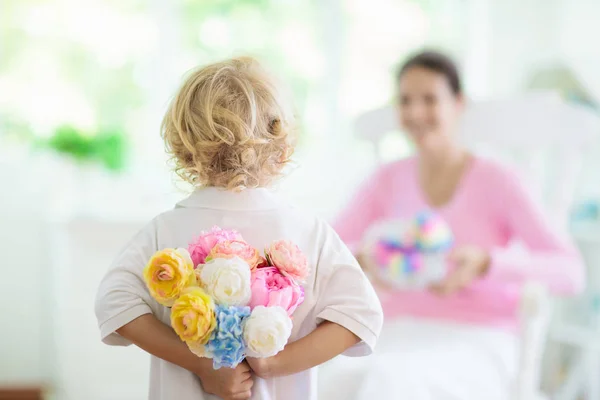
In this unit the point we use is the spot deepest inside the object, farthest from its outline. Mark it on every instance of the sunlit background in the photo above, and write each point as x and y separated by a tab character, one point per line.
83	87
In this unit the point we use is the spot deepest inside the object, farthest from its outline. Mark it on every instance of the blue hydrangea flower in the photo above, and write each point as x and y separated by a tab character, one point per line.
226	346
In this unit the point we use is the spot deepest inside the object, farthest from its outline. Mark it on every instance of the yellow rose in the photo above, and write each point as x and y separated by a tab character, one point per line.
193	316
168	273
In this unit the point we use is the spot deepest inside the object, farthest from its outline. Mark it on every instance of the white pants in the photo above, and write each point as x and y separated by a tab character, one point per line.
426	360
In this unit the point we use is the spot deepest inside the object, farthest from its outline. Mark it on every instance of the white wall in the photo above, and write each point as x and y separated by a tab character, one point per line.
26	338
87	368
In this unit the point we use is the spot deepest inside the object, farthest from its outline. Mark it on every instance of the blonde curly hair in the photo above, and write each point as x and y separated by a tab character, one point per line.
228	127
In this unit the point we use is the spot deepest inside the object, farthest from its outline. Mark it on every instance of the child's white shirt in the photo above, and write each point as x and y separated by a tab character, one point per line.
337	290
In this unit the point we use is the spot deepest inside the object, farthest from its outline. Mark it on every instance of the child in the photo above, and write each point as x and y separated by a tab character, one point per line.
230	136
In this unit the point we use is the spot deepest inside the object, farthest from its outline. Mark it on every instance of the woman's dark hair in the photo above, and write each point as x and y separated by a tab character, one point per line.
437	62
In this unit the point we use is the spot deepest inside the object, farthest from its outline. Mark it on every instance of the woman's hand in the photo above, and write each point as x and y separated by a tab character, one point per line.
471	263
379	284
362	261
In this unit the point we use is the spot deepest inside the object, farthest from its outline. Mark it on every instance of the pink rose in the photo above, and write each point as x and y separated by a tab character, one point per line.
231	248
270	288
290	260
202	245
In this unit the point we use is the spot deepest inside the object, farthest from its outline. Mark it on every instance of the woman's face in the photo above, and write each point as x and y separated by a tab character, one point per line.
428	108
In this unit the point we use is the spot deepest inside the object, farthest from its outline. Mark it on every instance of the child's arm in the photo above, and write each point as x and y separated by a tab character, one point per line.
347	314
321	345
156	338
126	314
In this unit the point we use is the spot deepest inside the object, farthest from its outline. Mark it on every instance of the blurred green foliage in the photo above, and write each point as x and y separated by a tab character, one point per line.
117	92
107	147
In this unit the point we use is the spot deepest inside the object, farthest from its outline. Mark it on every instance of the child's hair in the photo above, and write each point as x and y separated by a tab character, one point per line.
228	127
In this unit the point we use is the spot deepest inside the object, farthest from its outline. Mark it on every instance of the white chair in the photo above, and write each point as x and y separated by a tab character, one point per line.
543	137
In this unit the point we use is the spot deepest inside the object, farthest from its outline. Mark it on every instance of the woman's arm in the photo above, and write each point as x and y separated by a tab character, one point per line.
550	258
321	345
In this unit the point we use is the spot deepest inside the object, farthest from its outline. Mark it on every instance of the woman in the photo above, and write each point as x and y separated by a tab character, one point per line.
456	340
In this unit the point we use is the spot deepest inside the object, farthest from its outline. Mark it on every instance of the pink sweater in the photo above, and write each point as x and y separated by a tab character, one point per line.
489	208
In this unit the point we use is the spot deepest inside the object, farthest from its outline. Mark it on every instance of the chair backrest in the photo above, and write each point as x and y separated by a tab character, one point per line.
540	135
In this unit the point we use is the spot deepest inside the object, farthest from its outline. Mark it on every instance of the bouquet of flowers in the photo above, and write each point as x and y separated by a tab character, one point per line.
409	254
227	300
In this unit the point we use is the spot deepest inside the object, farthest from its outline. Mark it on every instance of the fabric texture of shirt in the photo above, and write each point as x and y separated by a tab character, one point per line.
336	290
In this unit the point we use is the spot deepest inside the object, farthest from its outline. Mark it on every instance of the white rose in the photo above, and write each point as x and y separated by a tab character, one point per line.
227	281
266	331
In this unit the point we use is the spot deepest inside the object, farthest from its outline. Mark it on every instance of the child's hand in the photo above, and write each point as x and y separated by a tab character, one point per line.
261	366
227	383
